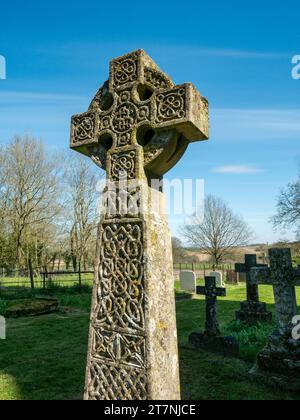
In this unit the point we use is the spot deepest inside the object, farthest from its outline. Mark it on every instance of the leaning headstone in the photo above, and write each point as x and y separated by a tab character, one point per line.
279	361
252	310
137	128
232	277
212	340
219	278
188	281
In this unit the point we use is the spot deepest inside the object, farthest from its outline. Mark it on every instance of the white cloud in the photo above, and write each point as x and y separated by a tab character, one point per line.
237	169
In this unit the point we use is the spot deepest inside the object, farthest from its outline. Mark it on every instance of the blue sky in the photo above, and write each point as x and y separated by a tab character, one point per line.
238	54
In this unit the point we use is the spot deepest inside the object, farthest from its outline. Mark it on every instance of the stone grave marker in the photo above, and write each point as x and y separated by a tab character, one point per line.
137	128
188	281
252	310
219	278
279	361
211	339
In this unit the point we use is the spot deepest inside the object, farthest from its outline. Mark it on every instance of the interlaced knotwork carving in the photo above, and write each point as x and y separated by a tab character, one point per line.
120	290
123	165
124	118
157	79
120	349
125	71
84	127
116	383
171	105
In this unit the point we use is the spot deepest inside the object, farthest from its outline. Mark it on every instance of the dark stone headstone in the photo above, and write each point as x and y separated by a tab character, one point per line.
212	340
252	310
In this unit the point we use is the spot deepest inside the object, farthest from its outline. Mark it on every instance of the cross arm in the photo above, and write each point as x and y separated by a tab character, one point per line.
201	290
260	275
84	131
183	108
220	291
240	268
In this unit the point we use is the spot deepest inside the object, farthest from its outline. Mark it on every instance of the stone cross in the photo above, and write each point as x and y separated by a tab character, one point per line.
283	277
211	292
137	128
279	361
252	310
250	262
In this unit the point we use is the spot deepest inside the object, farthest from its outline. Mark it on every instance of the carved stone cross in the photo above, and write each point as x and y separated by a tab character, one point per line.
281	356
211	292
283	277
252	310
137	127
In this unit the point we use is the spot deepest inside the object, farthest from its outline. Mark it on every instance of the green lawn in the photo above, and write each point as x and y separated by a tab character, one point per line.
44	358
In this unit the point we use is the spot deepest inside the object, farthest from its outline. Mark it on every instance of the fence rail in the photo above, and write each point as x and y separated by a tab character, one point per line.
48	279
45	279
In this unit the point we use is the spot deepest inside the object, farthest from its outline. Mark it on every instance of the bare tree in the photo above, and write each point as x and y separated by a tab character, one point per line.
288	208
29	191
219	233
81	208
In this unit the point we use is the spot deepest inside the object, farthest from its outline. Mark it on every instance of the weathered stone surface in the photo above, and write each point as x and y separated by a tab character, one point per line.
188	281
219	278
211	340
280	359
252	310
137	127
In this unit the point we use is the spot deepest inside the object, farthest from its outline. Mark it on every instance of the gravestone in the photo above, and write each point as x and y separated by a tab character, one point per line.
137	128
211	339
252	310
279	361
188	281
219	278
232	277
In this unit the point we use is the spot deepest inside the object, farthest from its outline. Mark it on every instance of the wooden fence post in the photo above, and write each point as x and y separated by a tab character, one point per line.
79	275
31	273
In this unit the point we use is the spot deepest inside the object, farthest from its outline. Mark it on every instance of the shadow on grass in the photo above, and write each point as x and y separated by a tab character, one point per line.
206	376
44	358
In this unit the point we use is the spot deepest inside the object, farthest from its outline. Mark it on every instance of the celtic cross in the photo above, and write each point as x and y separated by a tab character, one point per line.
137	128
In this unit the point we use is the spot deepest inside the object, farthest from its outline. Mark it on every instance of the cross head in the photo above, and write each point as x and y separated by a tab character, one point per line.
283	277
211	292
139	121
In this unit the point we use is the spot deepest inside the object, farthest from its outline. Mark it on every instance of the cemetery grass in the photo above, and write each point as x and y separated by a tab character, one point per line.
44	357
